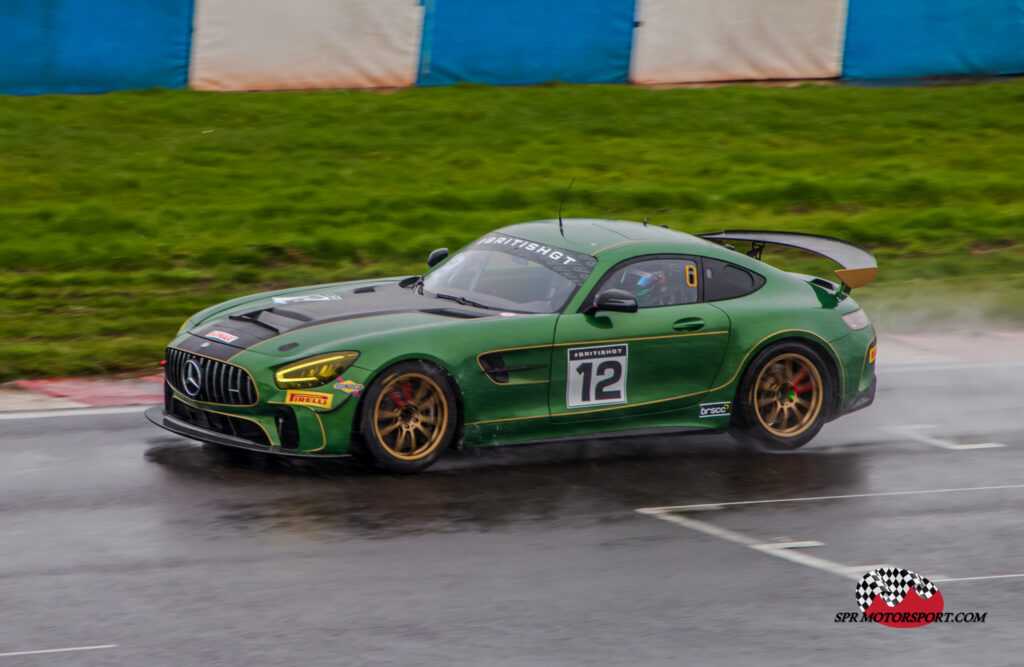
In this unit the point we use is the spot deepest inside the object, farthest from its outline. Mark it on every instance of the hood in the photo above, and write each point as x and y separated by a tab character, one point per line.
275	316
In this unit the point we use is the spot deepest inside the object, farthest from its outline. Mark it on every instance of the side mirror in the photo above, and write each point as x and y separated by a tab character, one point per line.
616	300
437	256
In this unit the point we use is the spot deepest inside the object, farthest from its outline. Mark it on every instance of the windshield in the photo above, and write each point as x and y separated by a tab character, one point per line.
507	273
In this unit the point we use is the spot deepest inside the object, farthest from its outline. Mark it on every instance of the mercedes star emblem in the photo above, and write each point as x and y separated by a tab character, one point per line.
191	377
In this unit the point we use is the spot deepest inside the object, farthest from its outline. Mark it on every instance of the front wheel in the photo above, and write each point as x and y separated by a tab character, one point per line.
409	416
784	397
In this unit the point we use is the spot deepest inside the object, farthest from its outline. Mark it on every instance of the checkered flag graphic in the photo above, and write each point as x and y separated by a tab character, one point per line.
893	585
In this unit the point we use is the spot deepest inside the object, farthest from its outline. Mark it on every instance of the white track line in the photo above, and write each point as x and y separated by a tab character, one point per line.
913	432
791	550
706	528
73	412
806	544
881	494
990	576
952	366
785	550
58	650
795	556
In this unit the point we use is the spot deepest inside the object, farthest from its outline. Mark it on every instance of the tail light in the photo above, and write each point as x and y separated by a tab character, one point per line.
857	320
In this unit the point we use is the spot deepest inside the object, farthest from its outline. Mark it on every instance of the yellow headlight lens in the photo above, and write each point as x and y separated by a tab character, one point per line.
314	371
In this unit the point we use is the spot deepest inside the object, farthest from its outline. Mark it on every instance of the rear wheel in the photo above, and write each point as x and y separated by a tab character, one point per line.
784	398
409	417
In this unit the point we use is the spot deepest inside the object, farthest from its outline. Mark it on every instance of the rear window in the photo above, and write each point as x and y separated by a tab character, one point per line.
728	281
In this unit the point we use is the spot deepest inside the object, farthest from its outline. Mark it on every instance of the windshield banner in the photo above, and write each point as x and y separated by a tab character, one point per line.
575	266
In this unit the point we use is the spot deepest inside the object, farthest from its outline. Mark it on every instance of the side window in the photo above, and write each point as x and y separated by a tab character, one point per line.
657	282
728	281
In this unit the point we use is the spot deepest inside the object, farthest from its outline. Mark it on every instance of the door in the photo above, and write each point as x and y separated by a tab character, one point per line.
662	358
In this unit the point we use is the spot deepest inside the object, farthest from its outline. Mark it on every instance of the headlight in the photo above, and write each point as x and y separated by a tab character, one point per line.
314	371
857	319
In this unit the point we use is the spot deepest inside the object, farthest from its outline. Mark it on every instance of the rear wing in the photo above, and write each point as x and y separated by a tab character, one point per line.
859	265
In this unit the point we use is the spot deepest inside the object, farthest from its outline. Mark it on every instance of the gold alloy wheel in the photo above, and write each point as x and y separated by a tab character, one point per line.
410	416
788	395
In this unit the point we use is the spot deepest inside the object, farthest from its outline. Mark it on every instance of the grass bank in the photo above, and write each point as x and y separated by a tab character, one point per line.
122	213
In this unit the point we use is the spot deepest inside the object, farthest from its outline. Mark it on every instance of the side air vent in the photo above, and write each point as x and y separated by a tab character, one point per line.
821	282
494	365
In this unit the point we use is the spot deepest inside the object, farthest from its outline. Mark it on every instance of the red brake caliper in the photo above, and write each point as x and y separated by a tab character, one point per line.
801	388
406	395
396	398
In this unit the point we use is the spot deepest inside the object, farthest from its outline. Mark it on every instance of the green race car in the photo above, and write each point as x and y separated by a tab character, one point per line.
537	331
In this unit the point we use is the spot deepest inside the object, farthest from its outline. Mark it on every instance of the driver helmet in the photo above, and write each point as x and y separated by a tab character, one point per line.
644	283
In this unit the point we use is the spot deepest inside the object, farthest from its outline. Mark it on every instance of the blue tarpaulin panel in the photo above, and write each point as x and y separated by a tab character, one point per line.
92	46
526	41
911	38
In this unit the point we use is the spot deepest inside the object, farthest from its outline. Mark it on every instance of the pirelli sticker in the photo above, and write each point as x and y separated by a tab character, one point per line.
310	399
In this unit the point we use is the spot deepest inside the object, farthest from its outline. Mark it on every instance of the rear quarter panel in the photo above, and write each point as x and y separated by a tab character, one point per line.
787	307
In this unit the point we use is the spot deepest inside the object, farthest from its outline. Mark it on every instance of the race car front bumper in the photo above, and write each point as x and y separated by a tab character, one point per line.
863	399
158	416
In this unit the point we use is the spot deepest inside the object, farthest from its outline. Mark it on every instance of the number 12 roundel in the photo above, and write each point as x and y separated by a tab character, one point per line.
596	376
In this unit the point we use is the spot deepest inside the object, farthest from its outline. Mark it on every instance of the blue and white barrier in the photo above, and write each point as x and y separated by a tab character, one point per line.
92	46
87	46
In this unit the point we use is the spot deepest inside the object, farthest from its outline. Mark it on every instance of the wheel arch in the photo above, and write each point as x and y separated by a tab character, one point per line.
460	409
815	342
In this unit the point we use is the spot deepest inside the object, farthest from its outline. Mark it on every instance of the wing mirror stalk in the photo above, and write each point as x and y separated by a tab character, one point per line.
615	300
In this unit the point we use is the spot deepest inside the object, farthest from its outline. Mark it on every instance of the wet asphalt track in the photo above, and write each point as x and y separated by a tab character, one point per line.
114	533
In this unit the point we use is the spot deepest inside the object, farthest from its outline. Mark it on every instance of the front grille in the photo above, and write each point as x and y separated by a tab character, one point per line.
219	382
242	428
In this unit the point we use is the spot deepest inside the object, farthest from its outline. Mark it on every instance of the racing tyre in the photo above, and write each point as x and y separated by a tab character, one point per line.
784	398
409	417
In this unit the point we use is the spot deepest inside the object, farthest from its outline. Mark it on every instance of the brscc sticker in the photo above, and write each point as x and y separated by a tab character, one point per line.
596	376
715	409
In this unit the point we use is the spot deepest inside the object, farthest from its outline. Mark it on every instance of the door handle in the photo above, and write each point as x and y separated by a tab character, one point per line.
688	324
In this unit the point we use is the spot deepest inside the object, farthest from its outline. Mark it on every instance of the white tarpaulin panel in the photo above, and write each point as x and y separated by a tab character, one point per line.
723	40
278	44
